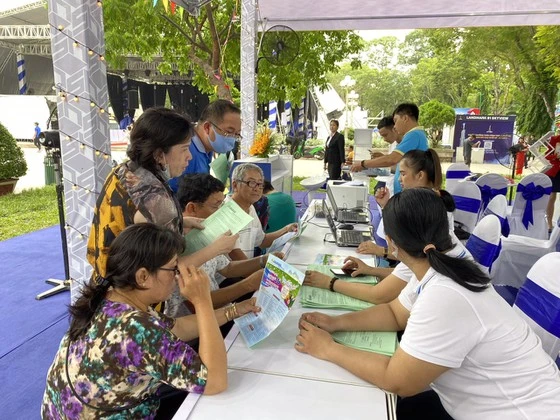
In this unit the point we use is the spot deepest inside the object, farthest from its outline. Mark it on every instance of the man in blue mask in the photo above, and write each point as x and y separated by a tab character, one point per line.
217	131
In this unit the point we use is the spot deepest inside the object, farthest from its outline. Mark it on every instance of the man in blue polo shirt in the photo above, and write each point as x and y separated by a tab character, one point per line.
217	131
405	117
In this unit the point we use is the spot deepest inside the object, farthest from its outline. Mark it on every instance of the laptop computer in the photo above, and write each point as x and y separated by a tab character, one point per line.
346	215
346	238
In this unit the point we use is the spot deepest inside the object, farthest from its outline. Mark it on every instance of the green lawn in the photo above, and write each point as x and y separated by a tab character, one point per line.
26	212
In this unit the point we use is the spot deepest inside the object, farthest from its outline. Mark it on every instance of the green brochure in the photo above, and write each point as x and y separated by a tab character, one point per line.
313	297
326	269
229	217
383	342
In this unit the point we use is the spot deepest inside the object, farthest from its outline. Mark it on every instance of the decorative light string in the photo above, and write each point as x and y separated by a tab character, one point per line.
98	152
90	51
65	95
68	226
77	187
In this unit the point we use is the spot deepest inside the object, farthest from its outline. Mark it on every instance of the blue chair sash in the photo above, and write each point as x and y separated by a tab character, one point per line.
457	174
487	193
503	222
531	192
470	205
483	252
540	305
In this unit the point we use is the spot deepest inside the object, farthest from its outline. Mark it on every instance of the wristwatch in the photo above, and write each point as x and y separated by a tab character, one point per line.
362	164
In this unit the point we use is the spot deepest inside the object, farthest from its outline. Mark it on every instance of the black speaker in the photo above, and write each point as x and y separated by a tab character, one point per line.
132	96
50	139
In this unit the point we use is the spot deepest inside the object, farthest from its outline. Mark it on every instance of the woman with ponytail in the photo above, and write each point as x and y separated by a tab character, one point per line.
119	354
418	168
460	337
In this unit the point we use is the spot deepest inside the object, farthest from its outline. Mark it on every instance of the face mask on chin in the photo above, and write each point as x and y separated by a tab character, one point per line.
222	144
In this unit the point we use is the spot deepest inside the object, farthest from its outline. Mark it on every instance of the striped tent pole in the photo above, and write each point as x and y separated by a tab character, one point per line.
21	74
288	115
272	114
301	117
125	93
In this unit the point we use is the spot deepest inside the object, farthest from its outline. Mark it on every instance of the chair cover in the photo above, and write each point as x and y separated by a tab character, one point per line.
538	302
490	186
498	207
467	201
454	174
484	243
519	254
528	216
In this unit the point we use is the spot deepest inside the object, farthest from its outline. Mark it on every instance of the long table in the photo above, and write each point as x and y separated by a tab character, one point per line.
273	381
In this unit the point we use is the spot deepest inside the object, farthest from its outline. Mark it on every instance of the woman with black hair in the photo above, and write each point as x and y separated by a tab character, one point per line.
461	338
418	168
119	352
137	191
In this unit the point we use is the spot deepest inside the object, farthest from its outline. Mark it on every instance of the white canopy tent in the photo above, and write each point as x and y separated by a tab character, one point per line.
327	15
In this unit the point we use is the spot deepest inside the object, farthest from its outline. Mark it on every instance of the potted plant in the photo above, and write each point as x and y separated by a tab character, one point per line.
12	162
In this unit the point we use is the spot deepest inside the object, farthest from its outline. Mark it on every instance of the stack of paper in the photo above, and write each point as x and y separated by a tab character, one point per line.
312	297
326	269
379	342
338	260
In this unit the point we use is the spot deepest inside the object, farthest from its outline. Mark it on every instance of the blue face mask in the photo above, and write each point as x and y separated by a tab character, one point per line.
222	144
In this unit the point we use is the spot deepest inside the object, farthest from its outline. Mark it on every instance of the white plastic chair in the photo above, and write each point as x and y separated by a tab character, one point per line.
490	186
454	174
467	202
538	302
498	207
484	242
519	254
528	216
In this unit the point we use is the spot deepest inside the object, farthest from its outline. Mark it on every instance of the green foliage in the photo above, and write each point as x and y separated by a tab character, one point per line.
12	161
433	116
27	212
209	46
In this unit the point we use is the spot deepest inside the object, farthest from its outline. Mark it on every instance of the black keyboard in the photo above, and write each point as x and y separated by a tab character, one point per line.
351	216
351	236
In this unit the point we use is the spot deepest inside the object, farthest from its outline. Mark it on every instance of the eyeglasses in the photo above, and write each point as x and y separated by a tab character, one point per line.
253	184
174	269
223	132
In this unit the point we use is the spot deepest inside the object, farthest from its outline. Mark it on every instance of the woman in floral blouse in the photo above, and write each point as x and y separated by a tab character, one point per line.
118	352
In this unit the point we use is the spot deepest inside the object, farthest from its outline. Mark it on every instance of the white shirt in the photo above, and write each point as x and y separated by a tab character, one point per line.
405	274
251	235
498	369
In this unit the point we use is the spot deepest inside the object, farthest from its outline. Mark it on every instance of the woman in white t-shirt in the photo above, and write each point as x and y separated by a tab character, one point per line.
418	168
461	338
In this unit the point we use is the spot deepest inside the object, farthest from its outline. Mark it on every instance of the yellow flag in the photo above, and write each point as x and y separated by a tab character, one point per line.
166	5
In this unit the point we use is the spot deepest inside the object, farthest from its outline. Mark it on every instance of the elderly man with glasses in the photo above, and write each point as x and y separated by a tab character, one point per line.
247	184
217	131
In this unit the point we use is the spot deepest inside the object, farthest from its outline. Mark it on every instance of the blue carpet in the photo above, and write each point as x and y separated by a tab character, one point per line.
30	329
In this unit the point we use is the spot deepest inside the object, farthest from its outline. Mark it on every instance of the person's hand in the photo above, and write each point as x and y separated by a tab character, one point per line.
192	223
313	340
194	284
356	167
382	196
278	254
254	280
292	227
316	279
370	248
225	243
359	267
247	306
323	321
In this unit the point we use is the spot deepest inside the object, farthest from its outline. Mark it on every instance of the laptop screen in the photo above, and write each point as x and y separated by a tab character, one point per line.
329	218
332	200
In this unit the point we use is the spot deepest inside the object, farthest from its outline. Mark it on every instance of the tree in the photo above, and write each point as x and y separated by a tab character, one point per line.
433	117
208	47
12	160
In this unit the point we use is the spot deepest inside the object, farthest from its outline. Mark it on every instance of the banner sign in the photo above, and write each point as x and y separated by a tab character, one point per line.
495	133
